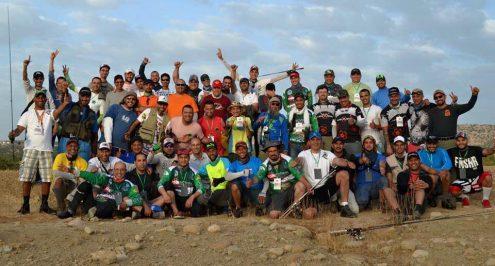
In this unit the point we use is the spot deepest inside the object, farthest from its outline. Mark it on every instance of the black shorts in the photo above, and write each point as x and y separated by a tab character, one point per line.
325	192
280	200
181	206
221	197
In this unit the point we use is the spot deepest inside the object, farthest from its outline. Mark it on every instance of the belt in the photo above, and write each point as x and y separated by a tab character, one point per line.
445	138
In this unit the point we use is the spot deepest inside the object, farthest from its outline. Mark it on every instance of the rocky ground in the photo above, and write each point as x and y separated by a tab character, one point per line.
44	239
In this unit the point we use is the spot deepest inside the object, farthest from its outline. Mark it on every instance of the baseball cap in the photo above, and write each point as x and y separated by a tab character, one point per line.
253	67
105	65
417	91
39	92
274	99
193	77
461	134
355	71
85	91
294	74
337	139
413	154
204	77
163	99
217	84
130	93
380	77
270	86
342	94
129	70
431	139
438	91
244	80
272	143
137	77
183	152
329	72
314	134
399	138
38	74
72	140
393	90
168	140
148	81
104	145
211	145
241	143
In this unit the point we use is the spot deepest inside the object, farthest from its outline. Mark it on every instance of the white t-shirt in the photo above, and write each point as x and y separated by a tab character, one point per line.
30	91
370	114
316	166
38	125
246	99
95	163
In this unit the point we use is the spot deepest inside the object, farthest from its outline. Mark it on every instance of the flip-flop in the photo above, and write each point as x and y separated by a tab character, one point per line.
179	217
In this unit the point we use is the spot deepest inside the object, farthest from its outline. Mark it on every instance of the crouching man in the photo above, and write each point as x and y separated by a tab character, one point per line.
116	194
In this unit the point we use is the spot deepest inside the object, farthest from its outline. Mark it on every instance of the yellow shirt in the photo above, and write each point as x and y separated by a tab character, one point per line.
61	160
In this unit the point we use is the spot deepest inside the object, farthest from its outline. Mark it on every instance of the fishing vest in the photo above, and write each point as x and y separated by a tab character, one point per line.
395	166
217	171
72	124
148	127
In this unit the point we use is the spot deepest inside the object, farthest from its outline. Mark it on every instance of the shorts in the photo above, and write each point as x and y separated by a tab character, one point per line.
324	193
248	195
470	185
181	206
220	197
279	201
365	192
34	161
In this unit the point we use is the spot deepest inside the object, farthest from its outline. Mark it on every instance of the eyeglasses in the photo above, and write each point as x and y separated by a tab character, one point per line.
180	85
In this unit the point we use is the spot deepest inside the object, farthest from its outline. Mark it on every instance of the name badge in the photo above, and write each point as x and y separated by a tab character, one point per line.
265	129
212	138
356	97
277	184
299	127
400	121
462	173
317	172
290	98
38	130
369	176
240	122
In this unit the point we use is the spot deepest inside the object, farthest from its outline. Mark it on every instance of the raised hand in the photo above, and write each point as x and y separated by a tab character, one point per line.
65	70
178	64
407	92
54	54
453	97
27	61
146	60
295	66
219	54
234	67
474	90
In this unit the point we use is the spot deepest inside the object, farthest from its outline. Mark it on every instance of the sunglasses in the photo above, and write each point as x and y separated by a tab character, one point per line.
180	85
438	97
165	79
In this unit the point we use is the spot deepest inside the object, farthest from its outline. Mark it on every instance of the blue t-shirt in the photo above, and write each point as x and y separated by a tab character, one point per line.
373	169
438	160
381	98
254	164
122	120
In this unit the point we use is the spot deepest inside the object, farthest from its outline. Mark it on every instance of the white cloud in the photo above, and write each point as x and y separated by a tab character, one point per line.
489	26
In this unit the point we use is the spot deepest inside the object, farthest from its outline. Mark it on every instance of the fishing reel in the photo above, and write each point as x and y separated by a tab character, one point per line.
356	233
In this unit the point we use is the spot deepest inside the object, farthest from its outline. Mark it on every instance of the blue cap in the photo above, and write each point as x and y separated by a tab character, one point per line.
314	134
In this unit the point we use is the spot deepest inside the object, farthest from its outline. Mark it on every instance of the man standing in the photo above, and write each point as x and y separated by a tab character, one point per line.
164	90
37	154
117	122
380	97
348	118
272	126
213	126
263	100
178	100
220	101
116	95
301	122
419	121
355	87
97	100
246	97
184	128
324	110
57	89
129	77
371	125
155	76
395	119
148	99
468	170
330	86
105	86
317	164
289	95
443	117
38	79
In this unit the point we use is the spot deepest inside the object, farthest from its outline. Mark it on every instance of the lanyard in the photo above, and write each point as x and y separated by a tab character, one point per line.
314	158
366	113
141	180
463	156
40	118
430	158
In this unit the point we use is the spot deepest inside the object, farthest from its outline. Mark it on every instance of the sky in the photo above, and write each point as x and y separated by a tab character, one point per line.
415	44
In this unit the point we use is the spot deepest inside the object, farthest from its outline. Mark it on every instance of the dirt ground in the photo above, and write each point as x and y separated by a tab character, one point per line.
45	240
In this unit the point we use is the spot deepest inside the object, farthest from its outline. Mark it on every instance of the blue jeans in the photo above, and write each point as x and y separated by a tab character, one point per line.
365	192
84	148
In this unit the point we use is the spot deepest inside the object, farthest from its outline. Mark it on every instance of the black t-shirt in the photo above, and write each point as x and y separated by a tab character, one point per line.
349	133
469	160
146	184
324	114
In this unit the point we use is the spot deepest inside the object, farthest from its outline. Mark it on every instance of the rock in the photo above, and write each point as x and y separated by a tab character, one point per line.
214	228
287	248
303	232
437	240
469	252
435	215
104	256
121	257
94	219
233	249
372	247
386	249
463	242
131	246
88	230
138	238
194	244
420	255
451	241
167	228
319	257
276	251
381	264
490	262
265	221
274	226
6	249
192	229
409	244
298	248
76	222
222	245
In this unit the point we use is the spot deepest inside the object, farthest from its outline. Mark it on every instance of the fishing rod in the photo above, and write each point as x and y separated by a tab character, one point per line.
357	232
280	72
11	95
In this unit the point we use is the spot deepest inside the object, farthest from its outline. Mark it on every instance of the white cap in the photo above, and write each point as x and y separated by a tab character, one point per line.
129	70
163	99
399	138
104	145
168	140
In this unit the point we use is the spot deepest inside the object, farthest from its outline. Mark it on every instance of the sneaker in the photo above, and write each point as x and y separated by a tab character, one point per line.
297	212
432	201
91	212
465	201
237	212
46	209
24	209
486	203
135	215
448	203
64	214
347	212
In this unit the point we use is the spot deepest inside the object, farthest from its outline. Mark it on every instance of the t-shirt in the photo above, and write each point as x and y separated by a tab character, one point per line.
353	89
316	166
114	97
61	160
213	129
145	183
38	125
177	126
371	114
122	120
467	163
196	163
349	133
31	91
148	101
246	99
221	104
443	122
177	101
103	167
370	172
396	118
324	114
239	132
253	164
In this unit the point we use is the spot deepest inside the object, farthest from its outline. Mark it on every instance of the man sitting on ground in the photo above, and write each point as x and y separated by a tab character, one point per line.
145	182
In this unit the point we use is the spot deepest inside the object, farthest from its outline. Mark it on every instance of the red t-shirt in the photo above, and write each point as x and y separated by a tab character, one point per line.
221	105
213	129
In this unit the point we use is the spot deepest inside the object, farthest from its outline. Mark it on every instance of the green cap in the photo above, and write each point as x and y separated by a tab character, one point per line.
39	92
380	77
329	72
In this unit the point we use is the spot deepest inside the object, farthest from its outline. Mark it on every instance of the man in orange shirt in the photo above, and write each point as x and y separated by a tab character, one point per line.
149	99
178	100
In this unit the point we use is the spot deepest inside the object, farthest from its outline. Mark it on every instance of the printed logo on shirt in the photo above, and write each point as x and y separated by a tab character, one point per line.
218	106
125	119
447	112
467	163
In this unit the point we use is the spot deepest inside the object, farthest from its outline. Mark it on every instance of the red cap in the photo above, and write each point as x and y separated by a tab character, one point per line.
183	152
294	74
217	84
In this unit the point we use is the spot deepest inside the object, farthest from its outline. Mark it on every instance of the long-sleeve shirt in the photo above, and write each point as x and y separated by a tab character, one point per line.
272	128
406	177
288	99
380	97
438	160
185	181
96	102
299	128
443	121
156	86
126	188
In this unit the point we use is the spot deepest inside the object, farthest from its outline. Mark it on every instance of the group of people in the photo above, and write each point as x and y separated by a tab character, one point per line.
139	148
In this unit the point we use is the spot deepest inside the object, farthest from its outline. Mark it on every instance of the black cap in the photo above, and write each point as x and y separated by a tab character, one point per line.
337	139
272	143
393	90
85	91
38	74
105	65
431	139
299	95
137	77
355	71
270	86
342	94
72	139
244	80
204	77
413	154
148	81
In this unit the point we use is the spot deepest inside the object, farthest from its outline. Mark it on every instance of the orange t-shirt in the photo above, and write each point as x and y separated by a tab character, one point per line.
177	101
